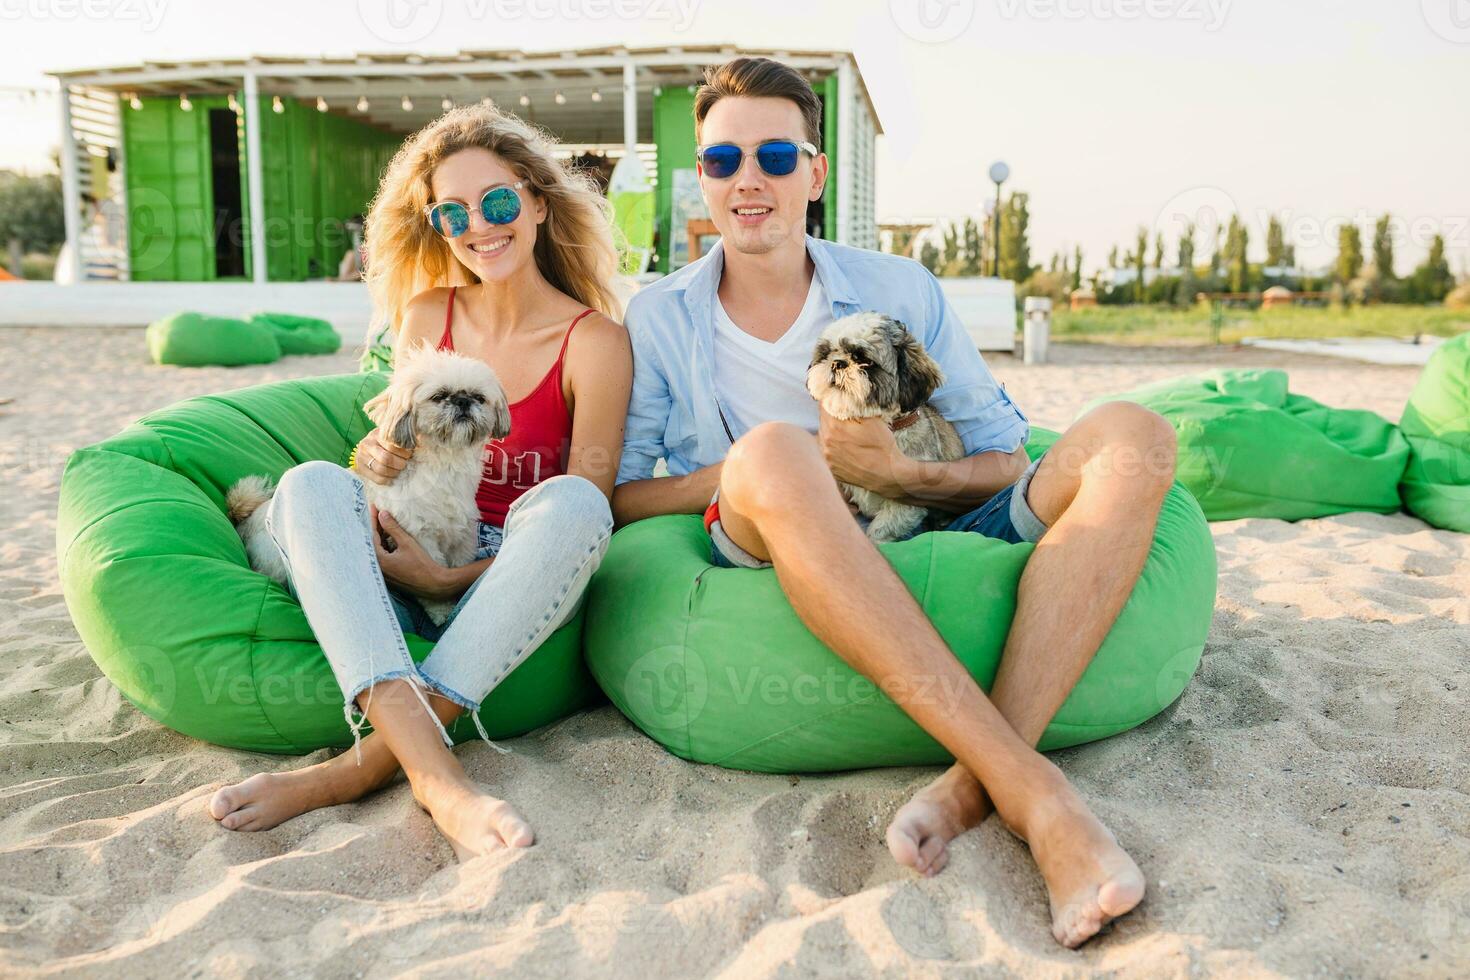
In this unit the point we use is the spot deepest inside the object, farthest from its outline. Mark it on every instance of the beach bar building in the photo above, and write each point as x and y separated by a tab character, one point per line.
245	171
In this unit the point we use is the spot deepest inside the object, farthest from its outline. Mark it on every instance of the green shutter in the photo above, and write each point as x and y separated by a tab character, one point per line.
170	205
673	133
829	145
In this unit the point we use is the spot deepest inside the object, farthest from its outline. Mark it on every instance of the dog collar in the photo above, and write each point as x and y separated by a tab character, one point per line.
904	421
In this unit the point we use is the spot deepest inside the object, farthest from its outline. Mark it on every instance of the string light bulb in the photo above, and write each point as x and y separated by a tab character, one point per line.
184	104
230	101
596	95
362	103
559	98
135	102
407	104
276	105
525	100
321	104
446	103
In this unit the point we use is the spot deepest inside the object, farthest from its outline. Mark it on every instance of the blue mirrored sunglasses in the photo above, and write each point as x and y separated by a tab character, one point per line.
499	206
776	157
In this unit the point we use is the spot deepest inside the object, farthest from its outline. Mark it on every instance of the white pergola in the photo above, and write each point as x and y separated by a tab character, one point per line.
565	92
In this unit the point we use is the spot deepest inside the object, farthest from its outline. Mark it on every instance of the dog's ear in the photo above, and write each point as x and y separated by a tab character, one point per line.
392	411
824	347
499	418
919	375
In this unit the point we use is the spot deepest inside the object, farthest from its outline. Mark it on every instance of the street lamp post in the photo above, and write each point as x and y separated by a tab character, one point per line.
998	173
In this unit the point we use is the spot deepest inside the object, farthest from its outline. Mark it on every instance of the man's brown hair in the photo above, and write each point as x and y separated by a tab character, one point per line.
760	78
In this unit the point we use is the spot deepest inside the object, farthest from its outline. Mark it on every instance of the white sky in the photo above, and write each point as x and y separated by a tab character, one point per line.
1111	113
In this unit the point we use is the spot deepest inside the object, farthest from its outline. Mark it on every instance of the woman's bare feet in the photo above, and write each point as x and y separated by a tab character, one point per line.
269	798
473	821
920	832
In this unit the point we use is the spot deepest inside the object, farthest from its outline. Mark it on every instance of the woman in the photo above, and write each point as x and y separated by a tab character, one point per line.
480	242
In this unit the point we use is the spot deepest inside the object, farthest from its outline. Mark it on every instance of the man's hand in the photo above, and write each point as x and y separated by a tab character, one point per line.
407	567
863	452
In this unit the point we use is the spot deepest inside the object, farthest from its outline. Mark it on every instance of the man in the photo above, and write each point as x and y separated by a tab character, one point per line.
721	350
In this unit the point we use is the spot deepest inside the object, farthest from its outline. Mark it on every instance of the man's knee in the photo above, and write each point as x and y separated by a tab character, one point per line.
769	463
1133	441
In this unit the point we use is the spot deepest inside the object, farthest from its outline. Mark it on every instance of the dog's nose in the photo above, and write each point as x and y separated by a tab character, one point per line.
461	402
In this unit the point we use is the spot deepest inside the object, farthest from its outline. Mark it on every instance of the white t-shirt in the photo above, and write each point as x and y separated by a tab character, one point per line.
757	381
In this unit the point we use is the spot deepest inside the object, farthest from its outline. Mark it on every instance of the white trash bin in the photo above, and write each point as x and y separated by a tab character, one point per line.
1036	333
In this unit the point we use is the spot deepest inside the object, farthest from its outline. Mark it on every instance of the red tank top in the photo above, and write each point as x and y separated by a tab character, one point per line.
540	436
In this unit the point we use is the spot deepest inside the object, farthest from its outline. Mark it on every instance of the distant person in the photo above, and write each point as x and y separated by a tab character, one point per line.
353	264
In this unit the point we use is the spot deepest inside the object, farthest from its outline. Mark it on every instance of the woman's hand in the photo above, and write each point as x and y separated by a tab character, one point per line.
407	566
379	460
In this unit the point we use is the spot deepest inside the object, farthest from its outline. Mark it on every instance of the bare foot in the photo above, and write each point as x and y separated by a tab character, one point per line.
919	835
473	821
1090	879
267	799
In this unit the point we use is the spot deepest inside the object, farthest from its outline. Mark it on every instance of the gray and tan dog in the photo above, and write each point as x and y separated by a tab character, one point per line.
869	366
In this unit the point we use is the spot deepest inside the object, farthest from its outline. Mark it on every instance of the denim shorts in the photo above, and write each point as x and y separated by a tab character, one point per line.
1006	516
411	615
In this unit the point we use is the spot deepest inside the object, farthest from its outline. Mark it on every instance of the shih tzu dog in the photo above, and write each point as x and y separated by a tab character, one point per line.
442	405
869	366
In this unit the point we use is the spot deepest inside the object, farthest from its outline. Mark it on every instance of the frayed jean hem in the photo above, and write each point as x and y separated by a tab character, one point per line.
415	682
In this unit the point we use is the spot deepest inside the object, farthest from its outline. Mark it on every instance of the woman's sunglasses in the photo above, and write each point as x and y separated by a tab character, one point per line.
499	206
776	157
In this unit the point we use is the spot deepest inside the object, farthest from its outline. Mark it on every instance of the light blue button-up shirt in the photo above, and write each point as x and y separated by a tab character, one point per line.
674	414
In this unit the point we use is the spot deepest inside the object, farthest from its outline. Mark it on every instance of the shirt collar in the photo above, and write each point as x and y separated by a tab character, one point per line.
704	284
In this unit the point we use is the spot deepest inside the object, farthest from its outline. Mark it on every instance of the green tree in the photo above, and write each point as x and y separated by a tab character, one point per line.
1188	285
971	260
1015	246
1236	265
1383	248
1349	254
1113	258
1076	268
1159	250
1140	254
31	212
929	256
1432	280
1275	243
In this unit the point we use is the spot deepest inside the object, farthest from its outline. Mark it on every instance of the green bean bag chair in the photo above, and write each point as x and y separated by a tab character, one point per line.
1436	421
713	663
158	585
1250	448
197	340
300	334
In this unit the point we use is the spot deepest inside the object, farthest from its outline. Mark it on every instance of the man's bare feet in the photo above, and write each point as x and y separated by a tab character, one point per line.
920	832
473	821
1089	878
267	799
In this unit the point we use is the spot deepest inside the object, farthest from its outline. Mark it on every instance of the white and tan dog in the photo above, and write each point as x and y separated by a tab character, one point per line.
442	405
869	366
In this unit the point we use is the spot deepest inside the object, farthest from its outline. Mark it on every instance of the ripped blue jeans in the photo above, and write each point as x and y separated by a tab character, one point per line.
554	537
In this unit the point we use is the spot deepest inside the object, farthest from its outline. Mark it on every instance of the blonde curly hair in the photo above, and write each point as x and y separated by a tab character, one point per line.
574	250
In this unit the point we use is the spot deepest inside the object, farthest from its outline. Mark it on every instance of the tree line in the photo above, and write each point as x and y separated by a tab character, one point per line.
961	249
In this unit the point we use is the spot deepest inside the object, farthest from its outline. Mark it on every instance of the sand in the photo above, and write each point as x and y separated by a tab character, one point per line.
1301	810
